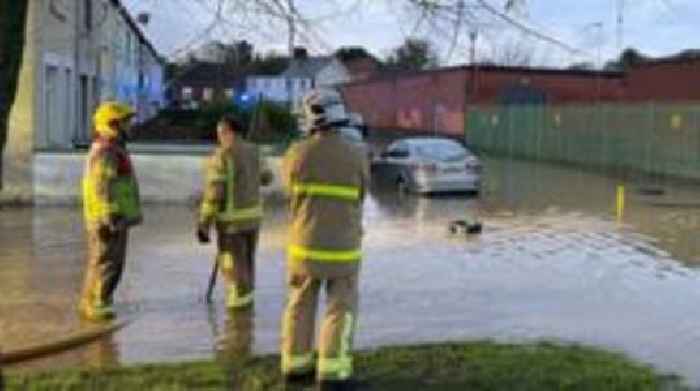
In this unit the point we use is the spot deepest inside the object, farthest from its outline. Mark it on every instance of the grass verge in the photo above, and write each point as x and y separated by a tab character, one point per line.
457	366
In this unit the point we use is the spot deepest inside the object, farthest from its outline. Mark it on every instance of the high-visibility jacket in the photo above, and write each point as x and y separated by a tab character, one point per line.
110	188
326	178
231	197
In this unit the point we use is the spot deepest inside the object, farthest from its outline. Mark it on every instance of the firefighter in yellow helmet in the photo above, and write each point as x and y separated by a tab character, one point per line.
326	178
111	206
231	201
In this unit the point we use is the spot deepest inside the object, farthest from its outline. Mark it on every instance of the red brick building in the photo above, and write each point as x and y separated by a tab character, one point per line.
665	80
437	100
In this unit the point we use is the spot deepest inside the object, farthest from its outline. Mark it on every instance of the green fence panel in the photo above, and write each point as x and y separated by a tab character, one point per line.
655	138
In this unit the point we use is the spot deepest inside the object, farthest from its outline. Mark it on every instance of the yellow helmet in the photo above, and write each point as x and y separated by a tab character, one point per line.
107	113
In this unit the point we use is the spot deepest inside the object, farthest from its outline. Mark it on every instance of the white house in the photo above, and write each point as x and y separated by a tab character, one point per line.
306	73
267	87
303	74
77	53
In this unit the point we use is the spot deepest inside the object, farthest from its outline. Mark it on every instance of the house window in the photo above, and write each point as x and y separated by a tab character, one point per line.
289	84
186	93
208	94
51	100
229	93
128	47
84	125
87	14
96	92
68	98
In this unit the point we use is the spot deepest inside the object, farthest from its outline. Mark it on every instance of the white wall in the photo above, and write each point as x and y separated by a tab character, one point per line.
78	67
300	87
270	87
164	176
56	75
125	60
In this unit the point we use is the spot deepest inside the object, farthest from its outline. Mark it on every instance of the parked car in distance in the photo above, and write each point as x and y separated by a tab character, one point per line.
429	165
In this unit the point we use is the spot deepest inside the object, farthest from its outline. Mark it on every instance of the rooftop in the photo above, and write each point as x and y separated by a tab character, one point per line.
497	69
306	68
137	29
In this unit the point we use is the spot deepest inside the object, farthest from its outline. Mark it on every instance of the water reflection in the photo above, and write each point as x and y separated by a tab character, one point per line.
551	263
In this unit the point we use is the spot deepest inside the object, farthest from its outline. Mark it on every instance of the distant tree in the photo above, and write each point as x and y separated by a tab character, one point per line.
581	66
271	63
629	57
13	19
240	53
414	54
688	54
349	53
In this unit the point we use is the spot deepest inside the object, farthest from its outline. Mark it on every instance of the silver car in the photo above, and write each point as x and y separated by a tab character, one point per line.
429	165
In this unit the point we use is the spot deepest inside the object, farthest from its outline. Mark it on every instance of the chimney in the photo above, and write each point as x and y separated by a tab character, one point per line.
144	18
300	53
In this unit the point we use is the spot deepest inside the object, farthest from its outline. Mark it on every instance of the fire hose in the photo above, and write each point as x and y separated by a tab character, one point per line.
60	345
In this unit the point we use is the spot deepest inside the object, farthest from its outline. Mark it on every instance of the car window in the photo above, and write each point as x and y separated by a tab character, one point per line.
446	151
399	147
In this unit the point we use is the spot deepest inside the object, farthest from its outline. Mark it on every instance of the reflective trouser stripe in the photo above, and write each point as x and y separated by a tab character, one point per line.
335	368
207	210
234	301
234	215
339	368
297	363
325	255
350	193
226	261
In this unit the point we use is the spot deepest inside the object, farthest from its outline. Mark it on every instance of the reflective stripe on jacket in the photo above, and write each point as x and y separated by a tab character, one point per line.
232	189
326	178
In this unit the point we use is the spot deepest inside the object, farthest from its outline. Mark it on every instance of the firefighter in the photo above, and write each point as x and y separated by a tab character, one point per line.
231	201
111	207
326	178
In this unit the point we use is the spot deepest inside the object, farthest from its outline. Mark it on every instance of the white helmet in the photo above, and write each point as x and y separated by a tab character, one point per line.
323	107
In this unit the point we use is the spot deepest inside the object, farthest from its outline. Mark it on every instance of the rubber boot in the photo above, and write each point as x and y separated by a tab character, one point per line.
299	380
336	385
235	302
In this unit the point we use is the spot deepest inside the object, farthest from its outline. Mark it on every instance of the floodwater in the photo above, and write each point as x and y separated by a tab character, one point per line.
553	262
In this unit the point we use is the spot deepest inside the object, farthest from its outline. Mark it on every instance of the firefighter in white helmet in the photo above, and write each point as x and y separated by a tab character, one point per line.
111	206
326	178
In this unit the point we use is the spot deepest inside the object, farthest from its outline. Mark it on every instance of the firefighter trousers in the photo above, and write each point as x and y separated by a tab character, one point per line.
236	259
106	256
337	329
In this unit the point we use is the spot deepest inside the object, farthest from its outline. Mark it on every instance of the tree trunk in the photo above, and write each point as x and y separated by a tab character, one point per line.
13	18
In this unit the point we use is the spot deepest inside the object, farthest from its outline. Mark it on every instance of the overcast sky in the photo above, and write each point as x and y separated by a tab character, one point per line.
656	27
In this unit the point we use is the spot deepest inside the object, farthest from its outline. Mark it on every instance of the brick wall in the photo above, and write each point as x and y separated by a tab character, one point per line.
436	100
665	81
